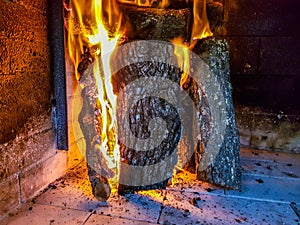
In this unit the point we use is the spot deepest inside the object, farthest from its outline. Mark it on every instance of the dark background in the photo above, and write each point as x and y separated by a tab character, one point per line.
265	61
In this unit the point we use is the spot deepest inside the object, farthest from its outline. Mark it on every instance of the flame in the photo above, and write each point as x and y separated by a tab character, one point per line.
96	24
200	30
181	51
200	27
148	3
99	23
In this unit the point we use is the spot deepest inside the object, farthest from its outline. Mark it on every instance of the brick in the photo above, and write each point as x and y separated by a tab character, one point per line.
35	143
242	17
27	57
21	98
280	56
278	17
40	5
4	57
39	176
271	92
244	53
23	23
276	132
9	194
265	17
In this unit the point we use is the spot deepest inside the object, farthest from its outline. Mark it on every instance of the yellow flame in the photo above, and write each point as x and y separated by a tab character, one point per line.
148	3
102	33
181	51
200	30
106	38
200	27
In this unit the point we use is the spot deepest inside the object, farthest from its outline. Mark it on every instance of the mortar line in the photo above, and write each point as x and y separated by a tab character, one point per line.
88	217
258	199
276	177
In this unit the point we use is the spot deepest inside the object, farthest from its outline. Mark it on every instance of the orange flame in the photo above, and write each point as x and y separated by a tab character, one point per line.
200	27
181	51
200	30
148	3
99	24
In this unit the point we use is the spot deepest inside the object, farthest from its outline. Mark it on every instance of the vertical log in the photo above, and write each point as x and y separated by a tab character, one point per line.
97	169
225	169
140	160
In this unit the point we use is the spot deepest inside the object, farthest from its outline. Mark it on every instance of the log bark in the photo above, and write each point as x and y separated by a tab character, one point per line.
96	170
156	24
142	108
225	170
166	24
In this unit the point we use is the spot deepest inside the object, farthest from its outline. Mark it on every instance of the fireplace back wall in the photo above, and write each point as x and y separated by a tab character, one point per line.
265	47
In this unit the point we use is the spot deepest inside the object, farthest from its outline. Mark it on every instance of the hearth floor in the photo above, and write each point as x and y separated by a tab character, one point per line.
270	195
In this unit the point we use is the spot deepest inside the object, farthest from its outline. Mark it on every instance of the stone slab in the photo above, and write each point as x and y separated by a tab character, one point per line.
43	214
186	181
282	157
103	220
191	208
271	168
144	206
73	191
280	190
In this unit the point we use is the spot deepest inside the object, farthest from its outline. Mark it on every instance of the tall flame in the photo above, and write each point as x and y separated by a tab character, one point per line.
100	29
181	51
200	27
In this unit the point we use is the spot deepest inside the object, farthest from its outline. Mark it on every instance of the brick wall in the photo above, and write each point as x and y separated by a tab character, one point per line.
265	47
29	160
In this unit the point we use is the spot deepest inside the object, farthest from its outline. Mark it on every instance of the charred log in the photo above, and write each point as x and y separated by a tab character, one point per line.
156	24
166	24
99	184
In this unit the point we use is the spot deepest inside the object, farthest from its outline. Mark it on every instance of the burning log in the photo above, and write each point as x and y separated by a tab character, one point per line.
167	24
156	24
144	163
150	166
100	187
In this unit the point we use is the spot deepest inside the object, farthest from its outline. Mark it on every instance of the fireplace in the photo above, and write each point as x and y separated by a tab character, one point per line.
163	73
32	101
